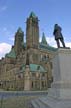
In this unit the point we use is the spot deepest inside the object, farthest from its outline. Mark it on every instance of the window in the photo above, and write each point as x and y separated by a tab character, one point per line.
32	84
44	58
36	84
43	84
43	74
33	74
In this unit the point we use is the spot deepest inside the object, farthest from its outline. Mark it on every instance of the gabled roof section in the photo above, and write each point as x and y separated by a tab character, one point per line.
36	67
11	54
32	15
43	39
33	68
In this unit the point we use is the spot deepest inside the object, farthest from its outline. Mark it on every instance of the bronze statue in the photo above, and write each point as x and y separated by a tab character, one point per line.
58	35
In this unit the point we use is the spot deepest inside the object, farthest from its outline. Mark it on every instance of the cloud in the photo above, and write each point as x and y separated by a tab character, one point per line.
6	32
68	44
4	48
9	33
3	8
51	41
12	38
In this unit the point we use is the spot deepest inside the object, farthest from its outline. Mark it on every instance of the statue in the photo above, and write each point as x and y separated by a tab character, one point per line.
58	35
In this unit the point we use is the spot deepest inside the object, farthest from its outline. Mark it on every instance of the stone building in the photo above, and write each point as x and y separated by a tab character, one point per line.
28	65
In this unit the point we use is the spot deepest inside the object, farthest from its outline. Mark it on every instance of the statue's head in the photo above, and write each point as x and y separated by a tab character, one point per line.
55	25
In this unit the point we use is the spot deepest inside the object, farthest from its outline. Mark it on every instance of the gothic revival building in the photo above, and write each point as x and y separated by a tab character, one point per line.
28	65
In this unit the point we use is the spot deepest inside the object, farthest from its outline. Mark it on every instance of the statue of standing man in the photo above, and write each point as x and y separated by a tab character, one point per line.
58	35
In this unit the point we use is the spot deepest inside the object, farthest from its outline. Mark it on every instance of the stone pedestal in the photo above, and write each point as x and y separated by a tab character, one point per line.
61	87
59	95
60	91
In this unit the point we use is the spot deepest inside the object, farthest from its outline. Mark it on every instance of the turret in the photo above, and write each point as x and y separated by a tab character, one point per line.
19	42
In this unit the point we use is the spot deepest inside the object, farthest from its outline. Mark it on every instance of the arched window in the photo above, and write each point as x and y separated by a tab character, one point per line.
32	84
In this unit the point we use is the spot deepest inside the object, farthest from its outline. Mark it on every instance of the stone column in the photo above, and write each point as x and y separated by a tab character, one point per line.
27	82
40	82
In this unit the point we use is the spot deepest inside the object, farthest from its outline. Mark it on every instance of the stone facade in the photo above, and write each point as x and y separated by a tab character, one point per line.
33	72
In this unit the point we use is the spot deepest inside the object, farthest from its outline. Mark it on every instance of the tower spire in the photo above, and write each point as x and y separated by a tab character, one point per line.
32	14
43	39
32	31
18	44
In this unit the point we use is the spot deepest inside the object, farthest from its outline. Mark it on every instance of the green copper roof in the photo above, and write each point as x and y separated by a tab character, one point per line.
32	14
47	47
19	30
11	54
33	68
43	39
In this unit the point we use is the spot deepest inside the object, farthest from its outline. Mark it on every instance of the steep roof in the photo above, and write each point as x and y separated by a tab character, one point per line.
43	39
19	30
44	45
11	54
32	14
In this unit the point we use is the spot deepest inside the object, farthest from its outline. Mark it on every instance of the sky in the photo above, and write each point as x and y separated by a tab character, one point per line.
13	14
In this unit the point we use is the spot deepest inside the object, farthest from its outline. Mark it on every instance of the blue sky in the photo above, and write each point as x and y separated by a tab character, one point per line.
13	13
